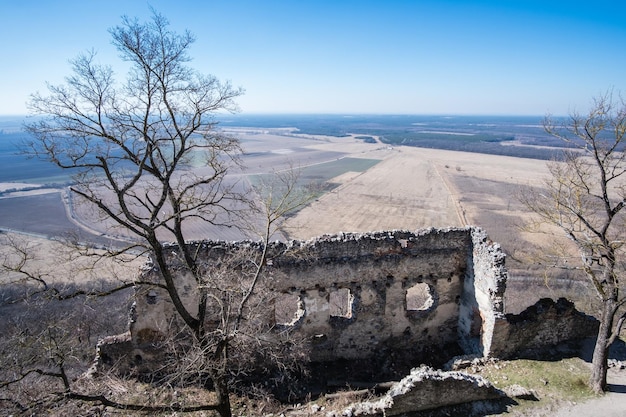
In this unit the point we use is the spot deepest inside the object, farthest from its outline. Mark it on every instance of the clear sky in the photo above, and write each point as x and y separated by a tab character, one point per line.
344	56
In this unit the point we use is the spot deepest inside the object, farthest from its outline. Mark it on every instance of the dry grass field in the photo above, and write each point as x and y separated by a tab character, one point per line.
416	188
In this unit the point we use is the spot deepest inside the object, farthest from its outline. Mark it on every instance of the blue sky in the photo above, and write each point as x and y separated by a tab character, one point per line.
318	56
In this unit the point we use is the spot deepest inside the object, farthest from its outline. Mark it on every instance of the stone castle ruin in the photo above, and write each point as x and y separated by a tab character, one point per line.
395	299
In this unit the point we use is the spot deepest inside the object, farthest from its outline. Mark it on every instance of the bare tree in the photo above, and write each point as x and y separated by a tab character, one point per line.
147	155
241	337
584	197
50	323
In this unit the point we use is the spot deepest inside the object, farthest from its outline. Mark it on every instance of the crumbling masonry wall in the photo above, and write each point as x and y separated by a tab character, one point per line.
424	296
360	296
372	300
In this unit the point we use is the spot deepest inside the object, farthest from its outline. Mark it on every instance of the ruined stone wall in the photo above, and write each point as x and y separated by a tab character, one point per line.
482	302
421	297
360	296
402	291
374	300
545	324
425	389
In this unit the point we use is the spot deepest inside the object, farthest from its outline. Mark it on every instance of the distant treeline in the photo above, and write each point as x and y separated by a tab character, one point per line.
480	134
487	145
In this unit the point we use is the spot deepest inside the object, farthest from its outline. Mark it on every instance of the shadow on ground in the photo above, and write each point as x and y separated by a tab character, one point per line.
474	409
617	351
619	389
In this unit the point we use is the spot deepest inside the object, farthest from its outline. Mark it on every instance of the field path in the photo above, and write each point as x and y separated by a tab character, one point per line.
454	195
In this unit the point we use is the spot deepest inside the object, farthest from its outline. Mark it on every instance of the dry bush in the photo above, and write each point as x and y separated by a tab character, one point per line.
46	342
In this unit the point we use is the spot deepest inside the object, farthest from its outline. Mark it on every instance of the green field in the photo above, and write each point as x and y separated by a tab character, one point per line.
320	174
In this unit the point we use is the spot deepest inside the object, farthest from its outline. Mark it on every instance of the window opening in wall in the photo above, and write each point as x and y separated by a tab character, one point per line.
420	297
288	309
341	302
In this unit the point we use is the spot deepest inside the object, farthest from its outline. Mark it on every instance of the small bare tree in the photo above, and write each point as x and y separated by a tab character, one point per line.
147	155
241	335
50	323
584	197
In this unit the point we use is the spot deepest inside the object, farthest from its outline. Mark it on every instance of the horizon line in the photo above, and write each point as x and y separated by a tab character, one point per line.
345	114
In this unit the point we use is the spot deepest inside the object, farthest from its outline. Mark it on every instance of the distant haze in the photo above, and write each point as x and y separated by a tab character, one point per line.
521	136
392	57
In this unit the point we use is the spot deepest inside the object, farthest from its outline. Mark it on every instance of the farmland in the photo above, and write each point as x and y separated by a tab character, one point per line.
368	185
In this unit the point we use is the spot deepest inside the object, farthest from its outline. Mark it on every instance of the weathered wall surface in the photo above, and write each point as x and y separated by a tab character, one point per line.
544	324
416	297
482	303
372	305
403	290
362	295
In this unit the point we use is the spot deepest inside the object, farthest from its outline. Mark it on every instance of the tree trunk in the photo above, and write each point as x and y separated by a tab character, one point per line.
599	363
220	385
